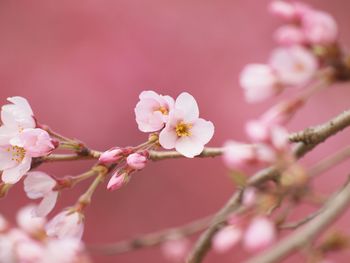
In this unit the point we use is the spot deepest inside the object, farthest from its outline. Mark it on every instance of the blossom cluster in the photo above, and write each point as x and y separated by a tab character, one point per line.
29	243
295	62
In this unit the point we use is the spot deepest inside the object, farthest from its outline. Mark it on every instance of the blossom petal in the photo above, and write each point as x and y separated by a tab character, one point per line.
38	184
167	138
203	130
22	103
189	146
187	103
46	205
13	175
6	161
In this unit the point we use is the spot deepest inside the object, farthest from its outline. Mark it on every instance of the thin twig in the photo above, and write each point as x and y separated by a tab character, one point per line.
309	232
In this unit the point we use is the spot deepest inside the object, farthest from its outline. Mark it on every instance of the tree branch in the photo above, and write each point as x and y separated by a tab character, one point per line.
315	136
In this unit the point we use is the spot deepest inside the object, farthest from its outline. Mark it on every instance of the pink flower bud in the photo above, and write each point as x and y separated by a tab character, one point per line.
320	28
110	156
136	161
259	82
260	233
249	197
117	181
226	238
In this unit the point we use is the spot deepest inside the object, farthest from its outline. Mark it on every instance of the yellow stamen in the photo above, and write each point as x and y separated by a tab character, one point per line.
183	129
18	153
163	110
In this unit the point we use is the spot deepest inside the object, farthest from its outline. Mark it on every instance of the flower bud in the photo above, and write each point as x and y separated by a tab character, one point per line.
136	161
110	156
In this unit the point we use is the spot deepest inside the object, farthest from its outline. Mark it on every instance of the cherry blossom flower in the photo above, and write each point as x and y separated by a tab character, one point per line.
136	161
40	185
16	156
117	180
320	28
259	82
185	131
227	238
290	11
67	224
152	111
294	65
260	233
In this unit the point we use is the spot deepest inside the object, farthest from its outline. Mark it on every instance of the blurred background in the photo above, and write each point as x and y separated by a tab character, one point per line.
82	65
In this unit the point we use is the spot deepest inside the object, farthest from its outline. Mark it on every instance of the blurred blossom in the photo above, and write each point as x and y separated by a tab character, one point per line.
260	233
289	35
259	82
226	238
294	65
28	222
175	250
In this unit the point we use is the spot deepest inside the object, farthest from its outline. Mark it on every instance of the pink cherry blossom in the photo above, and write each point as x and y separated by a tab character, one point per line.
117	180
320	28
290	11
294	65
3	223
28	222
67	224
136	161
176	249
36	142
260	233
289	35
249	197
40	185
259	82
152	111
227	238
185	131
111	155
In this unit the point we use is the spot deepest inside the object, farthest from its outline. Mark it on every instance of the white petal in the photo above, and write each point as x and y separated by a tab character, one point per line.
6	133
167	138
13	175
47	204
38	184
203	130
6	161
189	146
186	103
22	103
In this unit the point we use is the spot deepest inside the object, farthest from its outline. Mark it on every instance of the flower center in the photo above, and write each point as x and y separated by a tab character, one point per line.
163	110
299	67
18	153
183	129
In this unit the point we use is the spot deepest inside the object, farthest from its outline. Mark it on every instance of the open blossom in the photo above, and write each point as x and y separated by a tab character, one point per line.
152	111
294	65
259	82
260	233
66	224
320	28
40	185
185	131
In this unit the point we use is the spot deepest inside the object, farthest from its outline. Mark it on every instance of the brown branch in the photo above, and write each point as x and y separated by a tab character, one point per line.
152	239
317	134
309	232
207	152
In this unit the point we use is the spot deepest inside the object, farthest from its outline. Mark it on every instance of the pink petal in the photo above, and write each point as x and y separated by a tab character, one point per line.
28	222
6	133
226	239
260	234
13	175
203	130
46	205
167	138
189	146
188	105
6	161
38	184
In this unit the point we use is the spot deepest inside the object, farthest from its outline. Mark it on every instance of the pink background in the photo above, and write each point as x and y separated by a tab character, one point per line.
82	64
